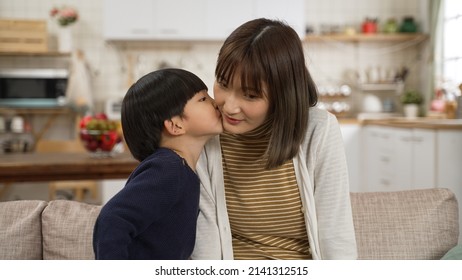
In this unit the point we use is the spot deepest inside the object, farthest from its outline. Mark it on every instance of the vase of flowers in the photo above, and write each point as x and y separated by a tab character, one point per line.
66	17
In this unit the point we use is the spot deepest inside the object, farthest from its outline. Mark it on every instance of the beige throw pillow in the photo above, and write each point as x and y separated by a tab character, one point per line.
414	224
21	230
68	230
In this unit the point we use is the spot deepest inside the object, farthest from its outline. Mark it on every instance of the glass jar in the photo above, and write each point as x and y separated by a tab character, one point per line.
408	25
391	26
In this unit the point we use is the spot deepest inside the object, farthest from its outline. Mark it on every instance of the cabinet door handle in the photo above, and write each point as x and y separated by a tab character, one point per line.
385	182
139	31
385	159
169	31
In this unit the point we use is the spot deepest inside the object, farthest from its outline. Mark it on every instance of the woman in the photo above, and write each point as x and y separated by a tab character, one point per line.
275	184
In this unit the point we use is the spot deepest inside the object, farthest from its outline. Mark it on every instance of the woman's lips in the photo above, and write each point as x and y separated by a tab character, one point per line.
231	120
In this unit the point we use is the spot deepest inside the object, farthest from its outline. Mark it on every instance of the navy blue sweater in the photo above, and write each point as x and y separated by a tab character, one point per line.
154	216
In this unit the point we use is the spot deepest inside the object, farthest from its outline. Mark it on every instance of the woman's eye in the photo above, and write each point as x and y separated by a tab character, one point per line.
203	99
251	96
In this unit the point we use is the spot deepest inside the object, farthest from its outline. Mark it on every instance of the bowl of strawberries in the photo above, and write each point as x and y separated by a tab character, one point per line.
99	135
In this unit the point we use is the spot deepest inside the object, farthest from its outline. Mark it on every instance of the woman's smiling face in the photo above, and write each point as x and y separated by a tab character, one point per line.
242	110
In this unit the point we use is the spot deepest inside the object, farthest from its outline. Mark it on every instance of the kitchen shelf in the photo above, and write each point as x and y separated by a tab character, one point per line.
378	37
36	111
398	87
51	115
36	54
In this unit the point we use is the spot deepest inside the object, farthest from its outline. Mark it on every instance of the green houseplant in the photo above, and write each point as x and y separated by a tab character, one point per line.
411	100
412	97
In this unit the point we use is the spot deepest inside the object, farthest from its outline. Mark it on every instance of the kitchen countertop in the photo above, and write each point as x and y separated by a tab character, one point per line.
426	123
34	167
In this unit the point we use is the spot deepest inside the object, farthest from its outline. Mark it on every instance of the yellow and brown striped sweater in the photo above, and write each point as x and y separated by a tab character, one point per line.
264	206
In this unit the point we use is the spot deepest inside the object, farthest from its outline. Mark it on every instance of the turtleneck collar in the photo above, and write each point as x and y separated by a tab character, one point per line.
263	132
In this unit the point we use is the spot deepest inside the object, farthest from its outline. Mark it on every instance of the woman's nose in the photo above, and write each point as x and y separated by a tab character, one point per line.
231	104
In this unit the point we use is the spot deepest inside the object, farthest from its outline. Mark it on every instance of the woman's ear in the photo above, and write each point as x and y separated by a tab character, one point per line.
174	126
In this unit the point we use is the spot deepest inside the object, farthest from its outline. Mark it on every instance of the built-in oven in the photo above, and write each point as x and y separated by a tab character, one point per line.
33	87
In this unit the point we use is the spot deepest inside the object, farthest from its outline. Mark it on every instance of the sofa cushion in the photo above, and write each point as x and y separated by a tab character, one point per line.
21	230
413	224
68	230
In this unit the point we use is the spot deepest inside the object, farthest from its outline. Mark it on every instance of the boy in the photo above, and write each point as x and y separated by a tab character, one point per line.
167	117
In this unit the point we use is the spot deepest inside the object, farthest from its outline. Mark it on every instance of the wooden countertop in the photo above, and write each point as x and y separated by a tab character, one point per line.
426	123
33	167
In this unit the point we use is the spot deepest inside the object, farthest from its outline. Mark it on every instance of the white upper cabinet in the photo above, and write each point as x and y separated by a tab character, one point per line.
128	20
192	20
179	19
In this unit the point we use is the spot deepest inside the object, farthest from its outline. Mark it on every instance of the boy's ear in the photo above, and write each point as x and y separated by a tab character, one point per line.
174	126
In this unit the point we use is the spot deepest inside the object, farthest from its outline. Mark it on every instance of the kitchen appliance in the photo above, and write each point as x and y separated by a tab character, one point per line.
113	108
33	87
17	124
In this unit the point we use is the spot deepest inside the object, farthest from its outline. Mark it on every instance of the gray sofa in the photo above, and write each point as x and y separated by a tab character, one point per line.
414	224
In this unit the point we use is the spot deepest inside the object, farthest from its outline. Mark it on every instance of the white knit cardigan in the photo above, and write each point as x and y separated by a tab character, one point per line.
322	175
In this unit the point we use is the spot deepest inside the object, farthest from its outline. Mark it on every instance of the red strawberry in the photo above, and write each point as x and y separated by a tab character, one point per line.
100	116
85	120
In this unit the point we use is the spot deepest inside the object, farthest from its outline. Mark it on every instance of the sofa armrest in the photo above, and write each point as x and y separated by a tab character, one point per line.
412	224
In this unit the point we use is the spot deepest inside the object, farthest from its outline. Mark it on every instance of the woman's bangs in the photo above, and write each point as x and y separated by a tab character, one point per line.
250	70
225	72
252	76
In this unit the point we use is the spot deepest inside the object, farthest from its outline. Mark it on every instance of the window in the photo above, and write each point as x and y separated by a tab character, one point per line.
452	44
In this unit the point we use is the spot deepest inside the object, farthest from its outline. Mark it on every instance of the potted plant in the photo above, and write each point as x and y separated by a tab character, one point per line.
411	100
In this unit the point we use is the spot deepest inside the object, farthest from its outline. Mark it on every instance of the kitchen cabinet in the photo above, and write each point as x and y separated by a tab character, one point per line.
191	20
376	167
179	19
398	158
128	20
449	163
351	134
424	158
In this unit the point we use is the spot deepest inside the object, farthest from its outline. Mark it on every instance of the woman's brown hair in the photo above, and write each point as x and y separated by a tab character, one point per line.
270	52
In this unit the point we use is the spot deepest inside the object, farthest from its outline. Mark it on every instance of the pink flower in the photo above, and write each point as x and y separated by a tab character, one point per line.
54	12
65	16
